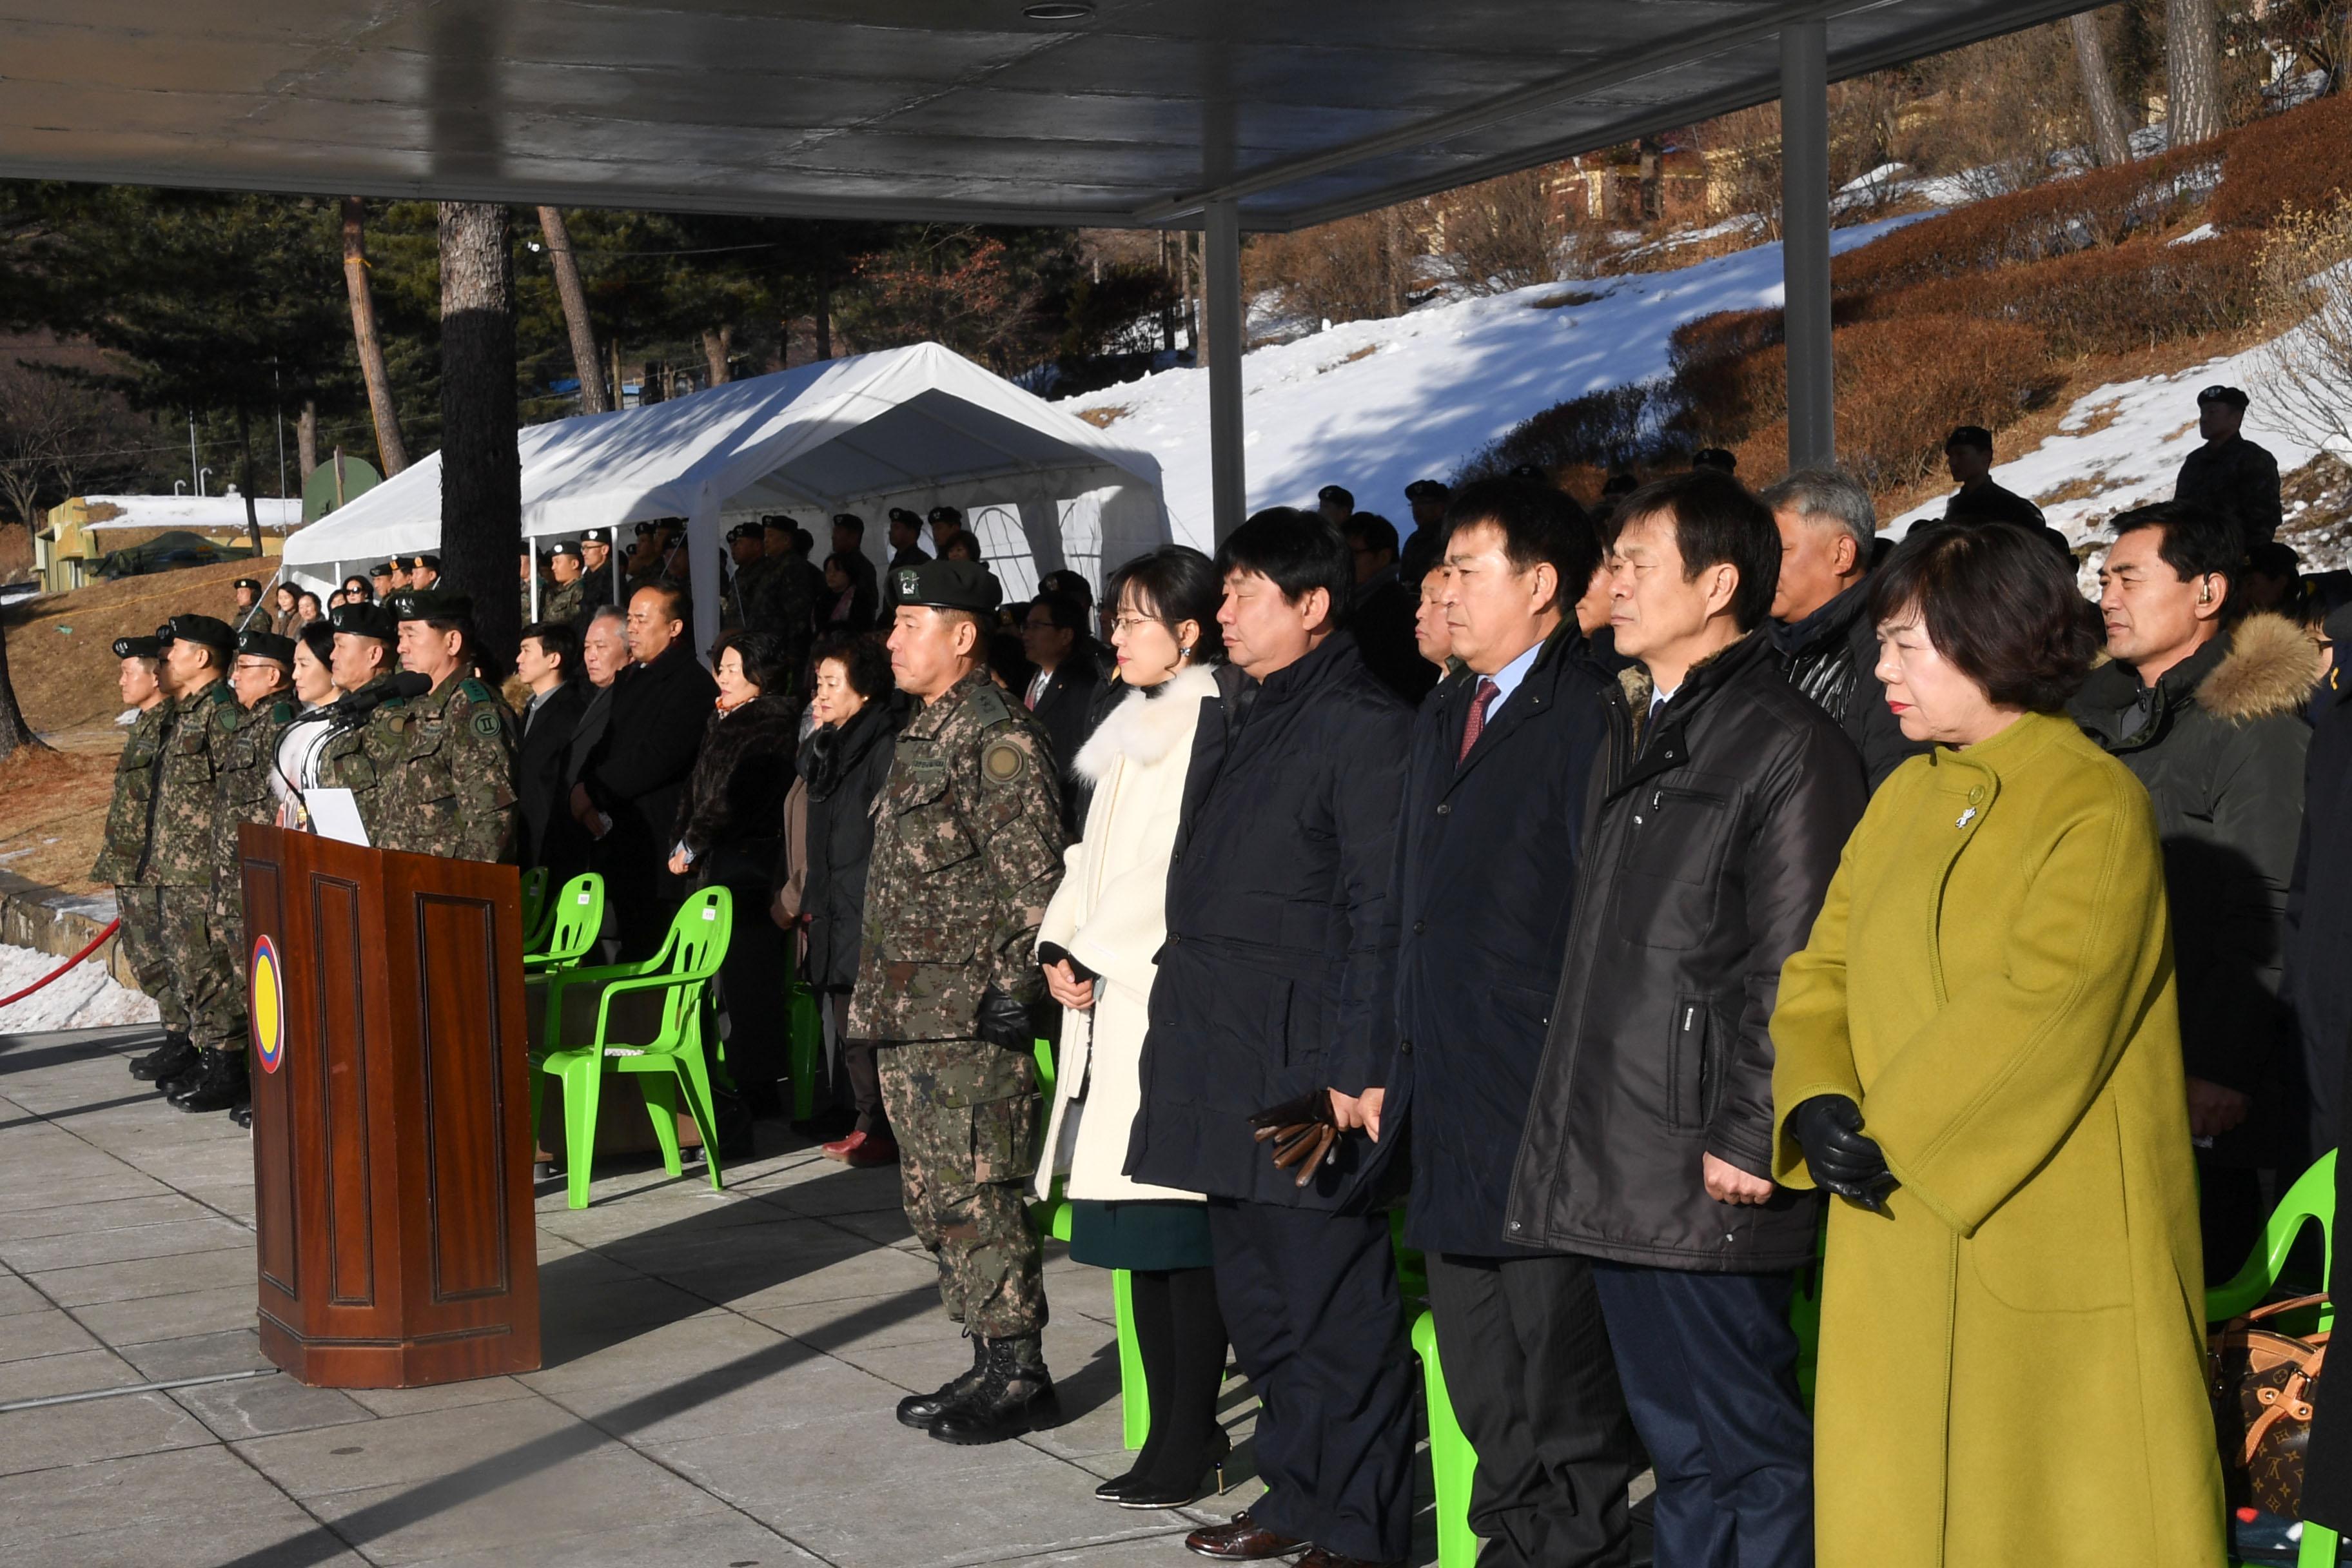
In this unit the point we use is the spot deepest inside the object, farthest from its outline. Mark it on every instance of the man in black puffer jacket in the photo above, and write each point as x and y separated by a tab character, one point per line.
1714	828
1277	981
1829	649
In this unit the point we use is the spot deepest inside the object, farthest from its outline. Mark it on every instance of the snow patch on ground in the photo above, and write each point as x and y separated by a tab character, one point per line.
1439	382
2122	444
86	997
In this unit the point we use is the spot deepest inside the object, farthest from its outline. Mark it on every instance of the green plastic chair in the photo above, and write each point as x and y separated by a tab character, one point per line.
671	1064
572	925
535	904
805	1028
2312	1200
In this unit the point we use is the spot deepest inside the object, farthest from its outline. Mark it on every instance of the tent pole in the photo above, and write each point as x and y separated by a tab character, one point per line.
1805	242
1229	486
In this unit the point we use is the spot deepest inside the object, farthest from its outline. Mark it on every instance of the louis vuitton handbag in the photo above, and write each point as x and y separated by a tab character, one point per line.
2261	1381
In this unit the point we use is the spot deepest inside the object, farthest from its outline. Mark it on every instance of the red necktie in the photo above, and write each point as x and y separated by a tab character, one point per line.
1476	724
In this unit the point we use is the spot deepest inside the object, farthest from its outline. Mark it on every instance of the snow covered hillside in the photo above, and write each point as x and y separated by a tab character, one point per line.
2121	445
1374	405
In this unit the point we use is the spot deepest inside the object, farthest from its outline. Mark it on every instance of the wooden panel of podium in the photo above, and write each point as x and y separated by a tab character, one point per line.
391	1128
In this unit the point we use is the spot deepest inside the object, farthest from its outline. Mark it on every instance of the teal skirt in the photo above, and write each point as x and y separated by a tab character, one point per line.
1148	1234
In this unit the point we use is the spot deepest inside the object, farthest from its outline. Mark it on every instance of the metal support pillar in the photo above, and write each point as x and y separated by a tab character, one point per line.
1220	264
1805	241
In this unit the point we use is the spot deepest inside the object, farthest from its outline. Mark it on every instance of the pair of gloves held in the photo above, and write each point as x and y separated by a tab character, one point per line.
1828	1128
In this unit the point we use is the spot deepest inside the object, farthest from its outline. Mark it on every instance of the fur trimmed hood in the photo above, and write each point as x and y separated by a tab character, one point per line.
2271	667
1145	728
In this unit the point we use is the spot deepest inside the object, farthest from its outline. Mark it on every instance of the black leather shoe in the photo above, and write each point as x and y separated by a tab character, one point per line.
1243	1541
222	1086
1010	1400
242	1114
919	1410
175	1056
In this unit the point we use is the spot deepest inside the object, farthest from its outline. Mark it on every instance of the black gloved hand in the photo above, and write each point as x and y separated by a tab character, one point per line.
1005	1022
1828	1127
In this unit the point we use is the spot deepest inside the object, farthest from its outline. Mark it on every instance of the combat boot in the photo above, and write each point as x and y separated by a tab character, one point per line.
186	1079
175	1056
1015	1396
221	1086
919	1410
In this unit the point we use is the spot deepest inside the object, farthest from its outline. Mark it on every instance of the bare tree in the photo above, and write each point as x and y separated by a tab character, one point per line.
481	474
388	445
585	360
2192	72
14	730
718	344
2305	297
2110	140
306	439
1502	233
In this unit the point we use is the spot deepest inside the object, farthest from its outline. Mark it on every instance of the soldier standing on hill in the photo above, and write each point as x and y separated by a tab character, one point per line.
966	851
263	681
2229	475
196	654
130	823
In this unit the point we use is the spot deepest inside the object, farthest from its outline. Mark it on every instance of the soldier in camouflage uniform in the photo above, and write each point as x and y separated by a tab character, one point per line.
130	823
787	605
453	790
742	605
564	602
196	654
966	851
262	681
362	750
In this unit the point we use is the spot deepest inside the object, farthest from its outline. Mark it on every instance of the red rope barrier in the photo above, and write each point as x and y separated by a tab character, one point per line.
61	969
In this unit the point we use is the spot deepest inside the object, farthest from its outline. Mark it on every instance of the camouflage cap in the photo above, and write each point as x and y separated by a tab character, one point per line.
429	604
368	620
266	644
949	586
206	631
138	647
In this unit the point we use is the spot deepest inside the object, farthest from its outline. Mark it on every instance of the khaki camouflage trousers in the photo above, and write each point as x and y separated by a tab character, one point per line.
201	969
965	1115
142	941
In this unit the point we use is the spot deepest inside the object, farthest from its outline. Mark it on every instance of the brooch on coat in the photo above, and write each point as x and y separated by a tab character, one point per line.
1966	816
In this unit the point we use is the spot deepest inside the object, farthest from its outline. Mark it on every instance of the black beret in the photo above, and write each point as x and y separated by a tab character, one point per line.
901	514
596	536
744	531
847	520
209	631
430	563
949	586
252	582
2229	394
563	547
1340	493
947	514
778	520
381	569
370	620
1975	436
429	604
266	644
138	647
1427	489
1714	458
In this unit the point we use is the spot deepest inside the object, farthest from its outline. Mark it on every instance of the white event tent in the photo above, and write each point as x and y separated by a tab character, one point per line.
916	427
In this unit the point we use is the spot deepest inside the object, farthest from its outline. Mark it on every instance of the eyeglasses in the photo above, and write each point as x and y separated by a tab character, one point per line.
1129	623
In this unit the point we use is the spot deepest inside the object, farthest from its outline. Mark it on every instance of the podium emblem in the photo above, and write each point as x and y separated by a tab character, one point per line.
266	1005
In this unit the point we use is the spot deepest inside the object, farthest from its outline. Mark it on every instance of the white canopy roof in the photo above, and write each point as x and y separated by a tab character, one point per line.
913	426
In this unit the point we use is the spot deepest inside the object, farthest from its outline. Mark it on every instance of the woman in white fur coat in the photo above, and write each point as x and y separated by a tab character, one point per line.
1098	945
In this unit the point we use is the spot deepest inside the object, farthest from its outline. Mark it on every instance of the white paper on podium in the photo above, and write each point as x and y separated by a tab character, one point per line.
335	814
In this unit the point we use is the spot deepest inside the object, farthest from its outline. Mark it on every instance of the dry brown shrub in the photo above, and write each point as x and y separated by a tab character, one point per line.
1355	269
1902	386
1614	428
2102	301
2300	159
1504	234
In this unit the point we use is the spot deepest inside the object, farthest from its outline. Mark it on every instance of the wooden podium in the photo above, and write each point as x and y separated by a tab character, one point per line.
391	1128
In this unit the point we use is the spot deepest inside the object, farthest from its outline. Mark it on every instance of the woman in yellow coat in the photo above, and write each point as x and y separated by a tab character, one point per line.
1977	1050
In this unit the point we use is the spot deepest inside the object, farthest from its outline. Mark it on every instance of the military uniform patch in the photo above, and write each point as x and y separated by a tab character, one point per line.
473	690
486	724
986	705
1004	762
